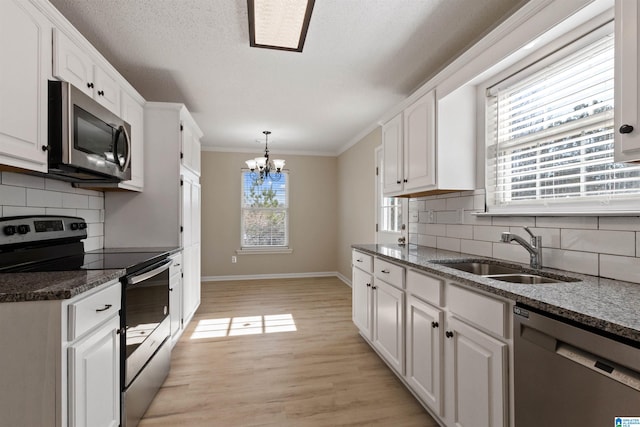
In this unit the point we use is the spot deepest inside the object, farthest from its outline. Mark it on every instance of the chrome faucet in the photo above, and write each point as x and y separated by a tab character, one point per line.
534	248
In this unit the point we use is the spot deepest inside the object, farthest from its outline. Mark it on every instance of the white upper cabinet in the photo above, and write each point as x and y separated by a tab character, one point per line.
425	152
419	144
392	163
25	49
132	112
72	64
627	88
190	146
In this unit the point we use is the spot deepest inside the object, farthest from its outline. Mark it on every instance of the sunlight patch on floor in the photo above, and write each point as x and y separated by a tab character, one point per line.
248	325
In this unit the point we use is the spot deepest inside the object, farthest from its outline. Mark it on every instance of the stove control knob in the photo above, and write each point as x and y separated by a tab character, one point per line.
9	230
23	229
82	225
74	225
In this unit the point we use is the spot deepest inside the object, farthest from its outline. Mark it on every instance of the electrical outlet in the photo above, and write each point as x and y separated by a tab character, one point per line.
431	216
234	259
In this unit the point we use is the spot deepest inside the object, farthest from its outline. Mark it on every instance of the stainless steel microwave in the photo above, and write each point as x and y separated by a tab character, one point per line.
87	142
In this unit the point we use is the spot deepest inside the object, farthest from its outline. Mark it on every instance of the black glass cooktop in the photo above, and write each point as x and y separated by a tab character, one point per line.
102	259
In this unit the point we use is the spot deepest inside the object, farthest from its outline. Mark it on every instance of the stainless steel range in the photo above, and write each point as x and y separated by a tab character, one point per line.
54	243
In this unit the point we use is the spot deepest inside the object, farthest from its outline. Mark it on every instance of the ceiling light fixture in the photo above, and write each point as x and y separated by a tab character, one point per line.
263	168
279	24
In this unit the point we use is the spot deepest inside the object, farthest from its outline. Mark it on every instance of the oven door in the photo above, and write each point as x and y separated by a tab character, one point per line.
146	316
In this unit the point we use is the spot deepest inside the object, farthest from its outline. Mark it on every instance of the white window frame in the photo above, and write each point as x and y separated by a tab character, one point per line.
528	65
266	249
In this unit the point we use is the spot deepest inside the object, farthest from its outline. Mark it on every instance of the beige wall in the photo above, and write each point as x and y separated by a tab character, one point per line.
356	198
313	217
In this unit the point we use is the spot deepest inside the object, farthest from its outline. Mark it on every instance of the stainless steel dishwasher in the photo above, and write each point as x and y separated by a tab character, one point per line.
568	376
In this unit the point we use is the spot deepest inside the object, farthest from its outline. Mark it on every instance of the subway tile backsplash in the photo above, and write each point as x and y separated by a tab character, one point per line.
22	194
602	246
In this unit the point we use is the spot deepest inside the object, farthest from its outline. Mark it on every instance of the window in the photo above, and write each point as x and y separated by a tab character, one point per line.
390	214
550	134
265	212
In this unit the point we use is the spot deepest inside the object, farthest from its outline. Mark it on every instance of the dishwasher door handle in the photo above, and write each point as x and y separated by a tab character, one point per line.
609	369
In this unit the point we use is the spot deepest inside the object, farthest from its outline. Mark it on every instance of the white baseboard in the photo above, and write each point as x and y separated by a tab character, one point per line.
275	276
345	279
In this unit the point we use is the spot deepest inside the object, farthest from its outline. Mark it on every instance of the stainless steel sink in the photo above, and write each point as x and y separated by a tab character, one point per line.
504	273
482	268
528	279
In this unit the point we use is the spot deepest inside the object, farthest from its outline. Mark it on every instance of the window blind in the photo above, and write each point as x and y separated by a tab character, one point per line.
550	133
265	212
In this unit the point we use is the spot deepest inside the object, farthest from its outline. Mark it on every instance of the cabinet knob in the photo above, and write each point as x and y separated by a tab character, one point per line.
170	289
406	180
398	182
45	148
448	334
626	129
90	85
368	285
434	324
374	287
101	92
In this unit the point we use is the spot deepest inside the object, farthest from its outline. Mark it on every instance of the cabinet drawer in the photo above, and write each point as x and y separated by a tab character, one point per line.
89	312
362	261
484	311
390	273
425	287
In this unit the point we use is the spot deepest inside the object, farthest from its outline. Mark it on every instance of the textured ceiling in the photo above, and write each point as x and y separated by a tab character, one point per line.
361	57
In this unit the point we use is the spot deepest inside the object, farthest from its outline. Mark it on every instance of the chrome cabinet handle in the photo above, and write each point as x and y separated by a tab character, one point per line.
105	308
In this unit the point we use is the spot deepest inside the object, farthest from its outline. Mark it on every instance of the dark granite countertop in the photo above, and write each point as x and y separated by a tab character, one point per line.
606	304
16	287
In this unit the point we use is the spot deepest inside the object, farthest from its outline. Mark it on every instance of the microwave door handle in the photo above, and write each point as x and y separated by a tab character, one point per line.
128	140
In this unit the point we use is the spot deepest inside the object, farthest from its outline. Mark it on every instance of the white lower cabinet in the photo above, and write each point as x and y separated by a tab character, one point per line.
476	375
94	378
362	301
448	343
175	297
388	323
61	360
425	333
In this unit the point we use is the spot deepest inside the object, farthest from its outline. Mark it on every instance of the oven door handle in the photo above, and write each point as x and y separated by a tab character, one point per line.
154	270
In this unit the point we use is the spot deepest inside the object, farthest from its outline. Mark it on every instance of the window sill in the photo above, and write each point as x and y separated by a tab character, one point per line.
265	251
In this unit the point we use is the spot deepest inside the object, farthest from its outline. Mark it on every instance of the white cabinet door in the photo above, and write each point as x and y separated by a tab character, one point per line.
94	378
362	301
175	298
190	148
388	323
107	90
419	143
133	113
25	49
392	160
476	377
627	86
425	326
71	64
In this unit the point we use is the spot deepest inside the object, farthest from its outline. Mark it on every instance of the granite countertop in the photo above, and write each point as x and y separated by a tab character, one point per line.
16	287
606	304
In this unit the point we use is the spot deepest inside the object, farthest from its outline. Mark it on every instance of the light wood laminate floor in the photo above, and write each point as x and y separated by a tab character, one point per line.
241	363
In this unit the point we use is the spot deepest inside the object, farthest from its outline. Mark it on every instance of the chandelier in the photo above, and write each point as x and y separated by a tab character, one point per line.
262	167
